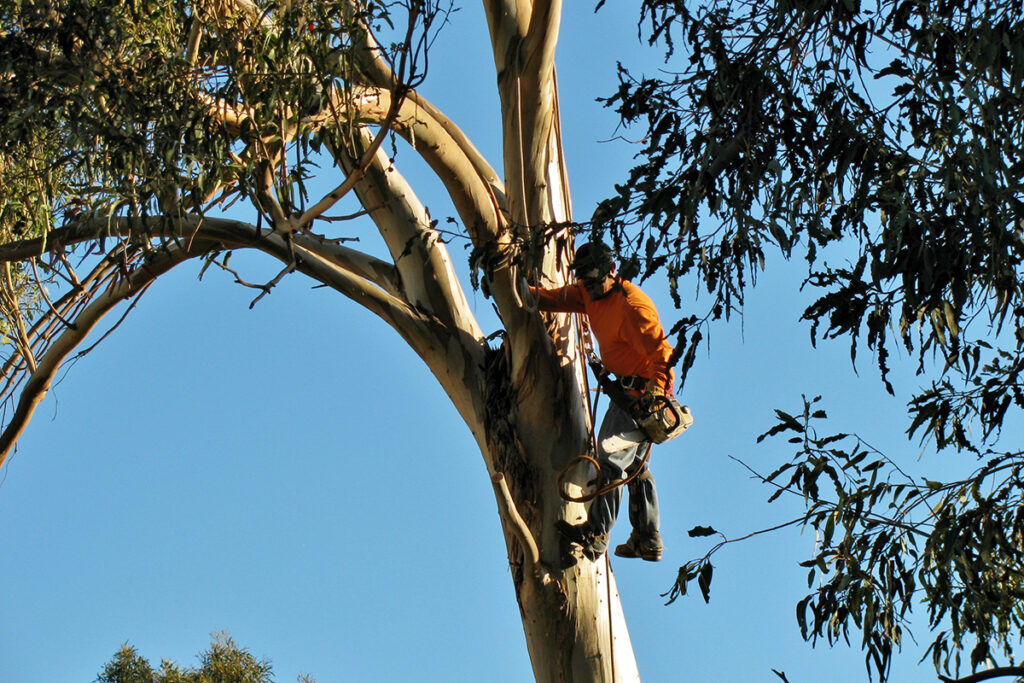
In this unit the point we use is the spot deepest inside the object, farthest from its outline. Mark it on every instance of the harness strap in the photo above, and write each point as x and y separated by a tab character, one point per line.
618	389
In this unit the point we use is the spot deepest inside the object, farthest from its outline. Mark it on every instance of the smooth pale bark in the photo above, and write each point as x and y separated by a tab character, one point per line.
44	371
529	416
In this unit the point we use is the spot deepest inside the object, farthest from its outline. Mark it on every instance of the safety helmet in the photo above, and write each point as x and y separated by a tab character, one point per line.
593	260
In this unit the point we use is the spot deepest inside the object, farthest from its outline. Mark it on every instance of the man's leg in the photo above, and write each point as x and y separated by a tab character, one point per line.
645	540
605	508
643	504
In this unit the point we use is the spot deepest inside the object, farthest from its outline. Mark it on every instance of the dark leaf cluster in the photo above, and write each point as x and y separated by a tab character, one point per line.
880	143
148	107
887	541
888	133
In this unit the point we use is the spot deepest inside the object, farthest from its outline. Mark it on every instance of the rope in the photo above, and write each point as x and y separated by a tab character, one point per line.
601	490
582	348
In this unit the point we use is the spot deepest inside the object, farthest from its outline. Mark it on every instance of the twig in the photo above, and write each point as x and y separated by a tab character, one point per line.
19	320
131	306
996	672
265	288
273	283
42	291
357	174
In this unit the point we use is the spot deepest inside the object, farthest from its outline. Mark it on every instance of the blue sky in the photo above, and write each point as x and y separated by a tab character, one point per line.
294	475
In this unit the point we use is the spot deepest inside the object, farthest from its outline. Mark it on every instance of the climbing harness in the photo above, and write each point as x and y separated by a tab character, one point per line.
659	417
615	392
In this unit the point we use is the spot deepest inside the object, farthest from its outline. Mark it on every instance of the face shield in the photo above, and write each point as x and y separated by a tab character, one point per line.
593	279
592	265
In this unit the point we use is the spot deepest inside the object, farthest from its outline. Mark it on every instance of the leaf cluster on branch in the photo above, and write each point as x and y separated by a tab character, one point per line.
131	126
880	143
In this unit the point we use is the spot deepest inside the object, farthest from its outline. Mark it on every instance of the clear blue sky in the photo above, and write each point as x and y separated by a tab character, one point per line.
294	475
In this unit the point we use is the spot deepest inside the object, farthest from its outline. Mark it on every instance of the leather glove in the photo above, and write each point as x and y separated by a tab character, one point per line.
655	388
526	296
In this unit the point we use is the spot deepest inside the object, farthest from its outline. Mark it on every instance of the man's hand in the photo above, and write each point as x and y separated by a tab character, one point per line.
526	296
655	388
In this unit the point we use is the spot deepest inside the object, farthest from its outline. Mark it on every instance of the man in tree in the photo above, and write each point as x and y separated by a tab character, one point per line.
632	342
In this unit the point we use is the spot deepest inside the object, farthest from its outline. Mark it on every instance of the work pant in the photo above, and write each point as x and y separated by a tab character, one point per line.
643	497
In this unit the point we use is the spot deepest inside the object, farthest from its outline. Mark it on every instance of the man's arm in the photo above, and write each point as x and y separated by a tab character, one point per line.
568	299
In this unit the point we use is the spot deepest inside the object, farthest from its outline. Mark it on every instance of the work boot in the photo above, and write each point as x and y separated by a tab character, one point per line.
592	545
645	546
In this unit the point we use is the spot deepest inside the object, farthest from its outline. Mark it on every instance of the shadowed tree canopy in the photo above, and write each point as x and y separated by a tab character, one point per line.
880	142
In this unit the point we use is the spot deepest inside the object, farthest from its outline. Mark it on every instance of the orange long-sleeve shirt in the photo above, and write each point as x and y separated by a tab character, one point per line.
625	324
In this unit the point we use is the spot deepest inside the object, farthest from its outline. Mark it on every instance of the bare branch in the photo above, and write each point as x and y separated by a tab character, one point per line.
996	672
380	273
264	288
373	65
531	552
227	233
42	291
480	207
356	174
11	303
39	381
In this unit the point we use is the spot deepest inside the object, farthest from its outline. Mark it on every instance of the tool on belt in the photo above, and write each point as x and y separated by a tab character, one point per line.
659	416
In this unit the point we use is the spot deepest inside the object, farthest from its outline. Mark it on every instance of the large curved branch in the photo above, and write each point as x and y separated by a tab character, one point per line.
378	73
479	206
227	233
39	381
471	182
454	355
427	278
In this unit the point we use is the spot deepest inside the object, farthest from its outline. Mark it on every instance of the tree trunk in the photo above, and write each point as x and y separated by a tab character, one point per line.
535	413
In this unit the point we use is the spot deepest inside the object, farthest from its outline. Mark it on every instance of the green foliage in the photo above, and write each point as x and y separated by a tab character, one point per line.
222	662
791	126
887	541
881	143
118	106
159	110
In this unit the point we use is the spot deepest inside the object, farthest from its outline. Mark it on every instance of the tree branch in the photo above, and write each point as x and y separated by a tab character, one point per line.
531	553
380	273
543	34
479	206
39	380
379	74
356	174
996	672
228	233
